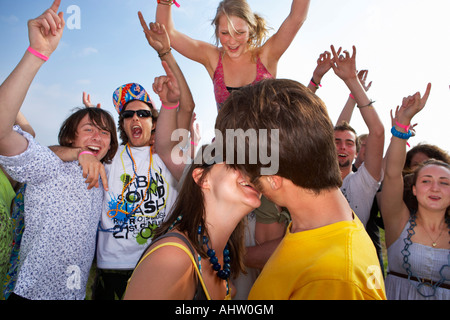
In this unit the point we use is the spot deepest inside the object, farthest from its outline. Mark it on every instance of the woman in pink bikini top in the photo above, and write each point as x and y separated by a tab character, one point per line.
241	34
222	91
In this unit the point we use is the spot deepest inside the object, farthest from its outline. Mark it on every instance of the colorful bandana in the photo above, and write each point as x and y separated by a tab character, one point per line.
129	92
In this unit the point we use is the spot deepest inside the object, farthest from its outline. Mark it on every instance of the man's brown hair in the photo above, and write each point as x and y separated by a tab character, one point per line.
307	151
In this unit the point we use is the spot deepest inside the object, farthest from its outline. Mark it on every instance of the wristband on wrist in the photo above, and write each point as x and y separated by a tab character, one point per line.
193	143
164	53
367	105
317	85
401	135
169	2
406	128
170	108
37	54
352	96
85	152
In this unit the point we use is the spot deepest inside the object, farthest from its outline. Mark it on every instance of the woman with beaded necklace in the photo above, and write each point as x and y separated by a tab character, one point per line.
199	248
418	241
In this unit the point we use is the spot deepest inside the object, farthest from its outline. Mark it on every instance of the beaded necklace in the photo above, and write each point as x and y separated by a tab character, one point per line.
126	178
421	286
224	273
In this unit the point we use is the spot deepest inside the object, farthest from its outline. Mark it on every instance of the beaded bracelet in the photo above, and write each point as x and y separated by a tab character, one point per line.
401	135
164	53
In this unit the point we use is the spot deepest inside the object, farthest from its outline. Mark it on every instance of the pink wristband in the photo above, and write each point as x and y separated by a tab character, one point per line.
176	3
193	143
37	54
85	152
170	108
352	96
406	128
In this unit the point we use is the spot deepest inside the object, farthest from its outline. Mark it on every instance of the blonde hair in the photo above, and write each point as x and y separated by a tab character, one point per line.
240	8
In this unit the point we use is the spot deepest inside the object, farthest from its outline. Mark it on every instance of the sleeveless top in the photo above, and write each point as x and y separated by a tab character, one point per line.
201	293
221	91
426	263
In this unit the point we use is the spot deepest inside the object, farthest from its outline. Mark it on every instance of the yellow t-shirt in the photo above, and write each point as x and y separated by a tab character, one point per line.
337	261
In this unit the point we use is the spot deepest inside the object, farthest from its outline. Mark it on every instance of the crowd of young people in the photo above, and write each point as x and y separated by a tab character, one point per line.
166	224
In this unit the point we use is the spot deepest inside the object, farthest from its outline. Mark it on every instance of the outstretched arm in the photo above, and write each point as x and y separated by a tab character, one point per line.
395	211
44	34
274	48
323	66
347	111
197	50
344	66
171	89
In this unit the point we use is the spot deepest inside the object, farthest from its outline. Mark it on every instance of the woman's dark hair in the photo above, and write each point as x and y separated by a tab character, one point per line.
190	207
431	151
101	118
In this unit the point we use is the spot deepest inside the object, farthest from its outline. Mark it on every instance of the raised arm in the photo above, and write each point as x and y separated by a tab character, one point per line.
197	50
347	111
172	89
274	48
395	211
24	124
345	68
44	34
158	39
323	66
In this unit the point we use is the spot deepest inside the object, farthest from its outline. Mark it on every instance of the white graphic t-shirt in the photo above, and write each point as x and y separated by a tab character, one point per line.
141	194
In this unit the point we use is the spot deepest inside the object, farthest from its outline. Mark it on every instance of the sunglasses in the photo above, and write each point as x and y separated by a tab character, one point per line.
140	113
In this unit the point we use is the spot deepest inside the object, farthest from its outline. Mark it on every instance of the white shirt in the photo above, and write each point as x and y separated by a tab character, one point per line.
360	188
132	211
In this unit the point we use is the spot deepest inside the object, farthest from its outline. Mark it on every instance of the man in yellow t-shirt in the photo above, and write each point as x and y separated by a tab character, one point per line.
326	253
331	262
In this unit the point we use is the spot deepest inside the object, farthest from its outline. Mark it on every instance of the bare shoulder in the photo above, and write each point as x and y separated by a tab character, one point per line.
167	268
167	251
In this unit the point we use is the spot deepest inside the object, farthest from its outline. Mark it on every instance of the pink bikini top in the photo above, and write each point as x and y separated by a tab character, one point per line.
221	91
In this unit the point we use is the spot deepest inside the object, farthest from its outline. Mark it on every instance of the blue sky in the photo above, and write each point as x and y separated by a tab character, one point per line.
403	44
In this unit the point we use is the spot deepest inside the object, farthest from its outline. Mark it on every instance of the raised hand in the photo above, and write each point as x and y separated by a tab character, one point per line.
46	31
412	105
167	87
156	35
343	64
362	76
87	101
323	66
